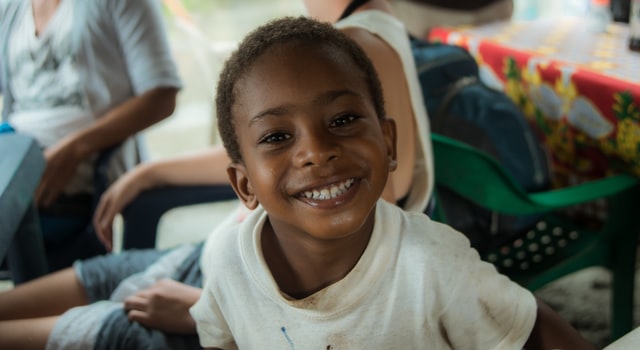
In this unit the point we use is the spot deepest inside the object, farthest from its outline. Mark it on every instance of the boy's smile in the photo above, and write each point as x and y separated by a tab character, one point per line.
330	192
315	154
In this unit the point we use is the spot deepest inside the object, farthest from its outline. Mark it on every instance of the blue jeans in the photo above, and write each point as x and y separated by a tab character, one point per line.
67	231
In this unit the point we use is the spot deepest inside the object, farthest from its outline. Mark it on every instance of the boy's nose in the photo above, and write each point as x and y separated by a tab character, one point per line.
316	149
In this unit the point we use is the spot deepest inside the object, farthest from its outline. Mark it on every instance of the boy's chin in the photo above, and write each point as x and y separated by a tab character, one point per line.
341	226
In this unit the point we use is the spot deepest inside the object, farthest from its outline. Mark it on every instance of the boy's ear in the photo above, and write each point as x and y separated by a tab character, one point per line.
241	185
388	126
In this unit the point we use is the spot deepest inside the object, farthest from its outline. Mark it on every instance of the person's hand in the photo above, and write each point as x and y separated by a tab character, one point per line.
113	200
164	306
62	161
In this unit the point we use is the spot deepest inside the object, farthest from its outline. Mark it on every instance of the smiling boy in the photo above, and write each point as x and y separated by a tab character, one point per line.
315	159
322	262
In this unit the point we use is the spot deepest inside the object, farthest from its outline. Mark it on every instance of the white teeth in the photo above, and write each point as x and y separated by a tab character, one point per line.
330	192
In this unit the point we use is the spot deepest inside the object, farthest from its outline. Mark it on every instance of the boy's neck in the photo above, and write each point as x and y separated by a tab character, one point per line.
302	267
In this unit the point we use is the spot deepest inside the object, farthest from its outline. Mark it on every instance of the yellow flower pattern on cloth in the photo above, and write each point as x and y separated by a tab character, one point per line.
628	135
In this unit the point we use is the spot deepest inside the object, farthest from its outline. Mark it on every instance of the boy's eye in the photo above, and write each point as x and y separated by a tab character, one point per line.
275	137
344	120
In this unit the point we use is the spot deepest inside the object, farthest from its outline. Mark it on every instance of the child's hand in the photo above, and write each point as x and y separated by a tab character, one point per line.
164	306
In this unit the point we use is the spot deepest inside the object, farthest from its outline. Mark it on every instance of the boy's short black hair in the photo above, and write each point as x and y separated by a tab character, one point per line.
277	32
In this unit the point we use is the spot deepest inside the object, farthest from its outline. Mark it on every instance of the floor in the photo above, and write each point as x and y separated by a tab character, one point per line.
583	299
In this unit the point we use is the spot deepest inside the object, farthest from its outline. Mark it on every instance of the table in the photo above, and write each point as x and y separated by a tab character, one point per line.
578	88
21	166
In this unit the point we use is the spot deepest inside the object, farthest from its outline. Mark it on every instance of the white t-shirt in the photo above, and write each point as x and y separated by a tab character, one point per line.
44	76
49	102
418	285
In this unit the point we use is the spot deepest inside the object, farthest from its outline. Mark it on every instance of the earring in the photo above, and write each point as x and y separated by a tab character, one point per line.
393	164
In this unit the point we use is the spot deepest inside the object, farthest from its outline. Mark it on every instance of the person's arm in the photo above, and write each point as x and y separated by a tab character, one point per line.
553	332
114	127
398	107
203	168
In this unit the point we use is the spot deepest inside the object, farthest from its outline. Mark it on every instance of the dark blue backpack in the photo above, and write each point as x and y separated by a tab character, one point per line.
460	106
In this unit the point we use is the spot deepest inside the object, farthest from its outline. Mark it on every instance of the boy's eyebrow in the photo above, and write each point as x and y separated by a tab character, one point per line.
325	98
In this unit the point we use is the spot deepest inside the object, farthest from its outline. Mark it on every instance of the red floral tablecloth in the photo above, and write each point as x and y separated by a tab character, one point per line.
580	89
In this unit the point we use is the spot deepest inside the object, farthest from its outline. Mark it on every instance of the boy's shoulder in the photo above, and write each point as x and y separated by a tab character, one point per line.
420	227
429	246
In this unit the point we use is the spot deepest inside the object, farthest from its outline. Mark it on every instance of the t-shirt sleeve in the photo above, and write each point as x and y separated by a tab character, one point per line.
486	309
144	43
213	330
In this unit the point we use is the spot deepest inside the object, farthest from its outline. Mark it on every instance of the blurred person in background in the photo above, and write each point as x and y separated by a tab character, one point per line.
81	77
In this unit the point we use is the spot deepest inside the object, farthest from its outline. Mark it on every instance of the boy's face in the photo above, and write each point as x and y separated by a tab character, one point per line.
315	154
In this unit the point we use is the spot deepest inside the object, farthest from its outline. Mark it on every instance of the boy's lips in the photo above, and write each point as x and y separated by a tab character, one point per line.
327	192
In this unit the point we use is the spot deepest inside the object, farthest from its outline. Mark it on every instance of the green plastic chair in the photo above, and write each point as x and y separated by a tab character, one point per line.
556	246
